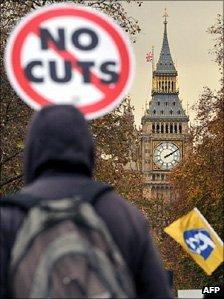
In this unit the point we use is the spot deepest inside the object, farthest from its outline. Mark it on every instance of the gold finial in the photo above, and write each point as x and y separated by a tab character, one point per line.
165	16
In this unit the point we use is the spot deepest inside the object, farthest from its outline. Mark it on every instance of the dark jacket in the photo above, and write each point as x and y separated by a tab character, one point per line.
58	160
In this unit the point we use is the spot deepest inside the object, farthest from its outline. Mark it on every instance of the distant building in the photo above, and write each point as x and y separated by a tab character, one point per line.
164	127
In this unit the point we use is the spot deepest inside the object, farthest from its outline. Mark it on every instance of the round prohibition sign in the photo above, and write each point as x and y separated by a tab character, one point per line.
69	54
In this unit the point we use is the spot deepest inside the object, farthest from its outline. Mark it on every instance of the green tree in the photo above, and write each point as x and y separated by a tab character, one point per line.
116	141
199	180
113	133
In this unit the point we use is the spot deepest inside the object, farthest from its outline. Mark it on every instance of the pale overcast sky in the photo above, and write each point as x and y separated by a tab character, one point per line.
189	45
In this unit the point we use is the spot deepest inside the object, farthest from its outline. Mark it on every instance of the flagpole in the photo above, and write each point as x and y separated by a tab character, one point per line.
153	64
150	58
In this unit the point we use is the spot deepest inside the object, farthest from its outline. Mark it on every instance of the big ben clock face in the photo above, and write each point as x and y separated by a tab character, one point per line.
167	155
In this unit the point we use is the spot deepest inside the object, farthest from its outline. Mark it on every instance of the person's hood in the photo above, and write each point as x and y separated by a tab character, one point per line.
58	141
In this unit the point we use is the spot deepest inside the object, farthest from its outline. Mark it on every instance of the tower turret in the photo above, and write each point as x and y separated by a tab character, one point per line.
165	75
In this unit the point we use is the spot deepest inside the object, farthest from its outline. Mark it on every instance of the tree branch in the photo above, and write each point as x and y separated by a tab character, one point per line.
11	157
15	178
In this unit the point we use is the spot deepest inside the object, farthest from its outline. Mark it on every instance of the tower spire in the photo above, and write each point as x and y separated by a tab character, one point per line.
165	64
165	104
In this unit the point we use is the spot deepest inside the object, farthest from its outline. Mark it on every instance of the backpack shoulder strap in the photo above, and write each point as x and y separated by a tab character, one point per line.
93	191
90	192
19	200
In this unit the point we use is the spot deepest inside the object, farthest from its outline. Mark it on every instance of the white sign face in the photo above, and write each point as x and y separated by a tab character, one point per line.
69	54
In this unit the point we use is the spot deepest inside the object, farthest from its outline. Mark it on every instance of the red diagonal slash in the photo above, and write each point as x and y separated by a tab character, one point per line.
66	55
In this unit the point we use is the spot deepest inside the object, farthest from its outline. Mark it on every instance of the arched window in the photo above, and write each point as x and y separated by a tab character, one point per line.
180	128
154	111
167	131
161	112
171	112
162	128
158	103
157	128
175	128
172	87
171	128
166	103
153	128
174	103
169	86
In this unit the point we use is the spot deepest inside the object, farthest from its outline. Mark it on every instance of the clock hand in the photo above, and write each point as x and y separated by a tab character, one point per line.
171	153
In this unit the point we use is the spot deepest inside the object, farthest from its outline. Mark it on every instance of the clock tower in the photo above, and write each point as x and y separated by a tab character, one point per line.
164	127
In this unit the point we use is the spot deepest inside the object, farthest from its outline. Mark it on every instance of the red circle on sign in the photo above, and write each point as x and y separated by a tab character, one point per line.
112	95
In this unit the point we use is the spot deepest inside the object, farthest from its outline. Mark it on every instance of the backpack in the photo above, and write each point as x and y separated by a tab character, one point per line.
63	249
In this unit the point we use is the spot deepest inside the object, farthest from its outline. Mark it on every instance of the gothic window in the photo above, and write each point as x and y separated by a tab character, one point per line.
171	112
167	131
175	128
153	128
154	111
174	103
158	103
162	128
178	111
169	85
166	103
180	128
171	128
162	177
172	86
157	128
161	111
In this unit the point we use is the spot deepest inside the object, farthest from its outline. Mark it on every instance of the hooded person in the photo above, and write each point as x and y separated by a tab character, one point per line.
58	160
